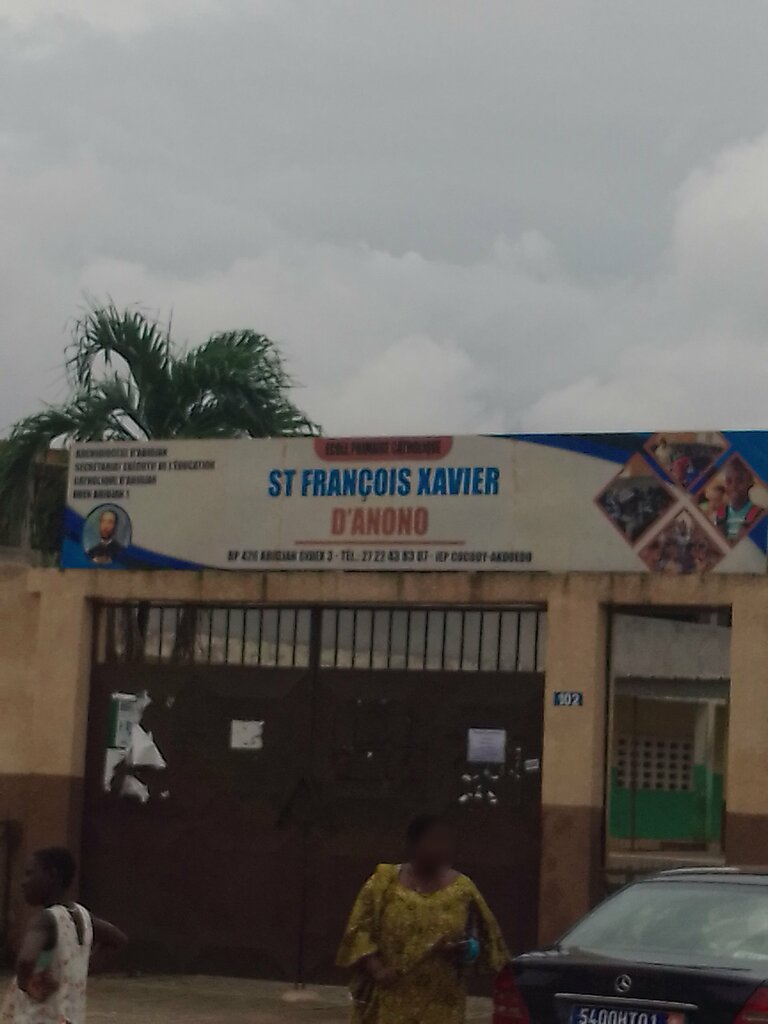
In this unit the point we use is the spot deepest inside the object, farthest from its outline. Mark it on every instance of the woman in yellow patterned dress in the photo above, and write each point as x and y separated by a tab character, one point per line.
414	929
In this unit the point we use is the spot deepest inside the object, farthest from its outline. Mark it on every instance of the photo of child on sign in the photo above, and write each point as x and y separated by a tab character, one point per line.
734	500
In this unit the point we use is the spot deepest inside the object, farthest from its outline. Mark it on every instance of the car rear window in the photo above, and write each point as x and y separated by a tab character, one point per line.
711	923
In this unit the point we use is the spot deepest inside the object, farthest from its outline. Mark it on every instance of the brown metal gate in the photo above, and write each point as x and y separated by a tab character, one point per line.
243	853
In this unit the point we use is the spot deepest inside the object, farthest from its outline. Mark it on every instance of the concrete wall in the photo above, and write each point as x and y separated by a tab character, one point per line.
19	694
666	649
45	659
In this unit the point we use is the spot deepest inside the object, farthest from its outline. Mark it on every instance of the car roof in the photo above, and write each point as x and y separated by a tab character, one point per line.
736	876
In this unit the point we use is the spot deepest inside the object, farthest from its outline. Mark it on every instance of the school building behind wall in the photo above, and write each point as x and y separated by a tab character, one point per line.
230	752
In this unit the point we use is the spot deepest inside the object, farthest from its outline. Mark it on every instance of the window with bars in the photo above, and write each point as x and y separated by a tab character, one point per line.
648	762
276	637
464	640
493	640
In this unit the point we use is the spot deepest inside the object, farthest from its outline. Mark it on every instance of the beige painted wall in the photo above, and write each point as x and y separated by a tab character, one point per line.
748	725
18	679
45	656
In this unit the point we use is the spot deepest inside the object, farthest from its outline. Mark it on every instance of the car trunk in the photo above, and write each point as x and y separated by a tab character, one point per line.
556	986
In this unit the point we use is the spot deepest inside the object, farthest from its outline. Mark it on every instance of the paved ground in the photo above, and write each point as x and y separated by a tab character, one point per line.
199	1000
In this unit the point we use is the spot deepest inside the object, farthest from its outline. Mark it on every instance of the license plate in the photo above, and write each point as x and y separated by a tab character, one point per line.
623	1015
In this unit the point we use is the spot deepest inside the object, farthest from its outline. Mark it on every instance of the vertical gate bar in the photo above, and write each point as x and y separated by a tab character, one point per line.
98	643
337	616
110	646
296	613
226	634
427	620
480	641
261	635
373	638
210	634
176	644
315	645
98	619
354	638
444	613
160	634
408	639
499	636
461	641
536	642
278	623
389	639
635	751
242	642
517	642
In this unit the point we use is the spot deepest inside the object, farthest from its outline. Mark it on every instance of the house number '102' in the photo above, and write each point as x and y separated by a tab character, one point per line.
569	699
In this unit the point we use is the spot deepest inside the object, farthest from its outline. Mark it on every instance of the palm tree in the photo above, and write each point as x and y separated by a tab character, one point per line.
129	382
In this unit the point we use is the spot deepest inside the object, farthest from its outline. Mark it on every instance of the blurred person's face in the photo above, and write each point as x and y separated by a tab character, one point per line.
38	884
717	495
433	851
738	483
107	525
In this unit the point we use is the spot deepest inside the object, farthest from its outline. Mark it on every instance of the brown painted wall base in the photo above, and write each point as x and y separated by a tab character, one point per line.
571	867
48	810
746	840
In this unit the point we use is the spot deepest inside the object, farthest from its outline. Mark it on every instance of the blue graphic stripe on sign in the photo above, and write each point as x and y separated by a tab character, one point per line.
609	447
131	557
751	444
759	535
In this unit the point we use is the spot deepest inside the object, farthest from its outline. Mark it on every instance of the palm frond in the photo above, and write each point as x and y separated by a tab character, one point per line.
128	336
29	439
88	417
236	385
128	383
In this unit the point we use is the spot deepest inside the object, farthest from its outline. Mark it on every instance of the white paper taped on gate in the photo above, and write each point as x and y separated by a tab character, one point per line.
143	751
246	735
112	759
487	746
127	710
134	789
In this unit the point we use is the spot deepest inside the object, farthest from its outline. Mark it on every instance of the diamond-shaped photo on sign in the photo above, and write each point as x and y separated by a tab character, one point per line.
682	546
686	457
733	499
635	499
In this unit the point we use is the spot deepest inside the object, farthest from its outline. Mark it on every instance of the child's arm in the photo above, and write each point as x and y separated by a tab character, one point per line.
106	937
39	938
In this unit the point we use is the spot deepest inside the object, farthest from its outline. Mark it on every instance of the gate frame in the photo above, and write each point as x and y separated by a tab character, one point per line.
573	763
483	648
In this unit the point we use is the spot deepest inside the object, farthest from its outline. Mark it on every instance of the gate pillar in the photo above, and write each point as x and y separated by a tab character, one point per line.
59	722
573	779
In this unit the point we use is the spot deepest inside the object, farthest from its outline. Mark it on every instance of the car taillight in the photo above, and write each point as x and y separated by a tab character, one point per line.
508	1004
755	1010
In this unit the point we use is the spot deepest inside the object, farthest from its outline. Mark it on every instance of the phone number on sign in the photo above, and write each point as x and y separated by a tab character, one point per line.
379	556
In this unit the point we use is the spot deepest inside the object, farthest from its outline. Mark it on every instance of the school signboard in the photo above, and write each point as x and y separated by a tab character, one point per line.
660	502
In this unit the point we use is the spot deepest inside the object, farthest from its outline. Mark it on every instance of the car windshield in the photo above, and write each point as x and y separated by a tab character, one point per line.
681	922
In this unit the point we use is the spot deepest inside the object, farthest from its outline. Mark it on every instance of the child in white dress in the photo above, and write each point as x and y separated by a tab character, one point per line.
53	963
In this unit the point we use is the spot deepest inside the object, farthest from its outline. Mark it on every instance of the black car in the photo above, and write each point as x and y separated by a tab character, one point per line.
681	947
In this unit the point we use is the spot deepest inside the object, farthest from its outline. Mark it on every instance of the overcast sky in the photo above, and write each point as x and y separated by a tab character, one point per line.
454	216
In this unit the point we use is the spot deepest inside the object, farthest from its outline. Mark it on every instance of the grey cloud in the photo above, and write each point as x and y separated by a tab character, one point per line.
454	217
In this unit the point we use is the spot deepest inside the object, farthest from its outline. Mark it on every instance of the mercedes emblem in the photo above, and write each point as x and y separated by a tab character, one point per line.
623	984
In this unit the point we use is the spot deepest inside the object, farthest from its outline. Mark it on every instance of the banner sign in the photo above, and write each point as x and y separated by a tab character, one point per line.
659	502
